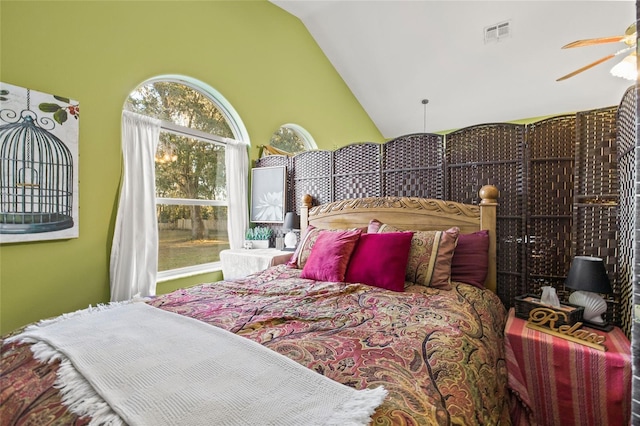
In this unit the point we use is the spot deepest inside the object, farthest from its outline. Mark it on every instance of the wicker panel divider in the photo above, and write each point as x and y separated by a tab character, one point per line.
550	169
596	154
595	231
558	183
356	171
626	149
596	196
313	175
635	327
412	166
272	161
493	154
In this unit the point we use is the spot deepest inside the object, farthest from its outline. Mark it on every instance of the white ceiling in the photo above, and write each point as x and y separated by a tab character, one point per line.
392	54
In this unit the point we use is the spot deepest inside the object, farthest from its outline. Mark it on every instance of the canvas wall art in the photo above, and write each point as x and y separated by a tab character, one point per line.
38	165
268	194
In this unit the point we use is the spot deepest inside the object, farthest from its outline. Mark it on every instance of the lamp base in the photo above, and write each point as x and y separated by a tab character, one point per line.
594	305
290	241
602	327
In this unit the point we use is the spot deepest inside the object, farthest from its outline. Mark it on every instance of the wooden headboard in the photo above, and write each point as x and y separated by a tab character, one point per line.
420	214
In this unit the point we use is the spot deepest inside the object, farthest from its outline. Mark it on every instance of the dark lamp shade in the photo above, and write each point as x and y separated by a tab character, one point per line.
588	274
291	221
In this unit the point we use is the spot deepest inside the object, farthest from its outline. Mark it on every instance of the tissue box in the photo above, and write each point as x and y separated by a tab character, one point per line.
525	303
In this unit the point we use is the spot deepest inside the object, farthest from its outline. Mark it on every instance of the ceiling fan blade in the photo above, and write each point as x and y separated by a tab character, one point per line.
594	41
593	64
586	67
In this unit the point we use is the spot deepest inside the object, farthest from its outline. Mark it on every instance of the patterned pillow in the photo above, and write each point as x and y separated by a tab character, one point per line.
310	236
302	252
330	255
430	256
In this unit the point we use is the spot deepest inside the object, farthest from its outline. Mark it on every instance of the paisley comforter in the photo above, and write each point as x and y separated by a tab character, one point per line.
439	353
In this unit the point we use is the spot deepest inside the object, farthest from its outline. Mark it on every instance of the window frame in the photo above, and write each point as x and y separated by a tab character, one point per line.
240	134
307	140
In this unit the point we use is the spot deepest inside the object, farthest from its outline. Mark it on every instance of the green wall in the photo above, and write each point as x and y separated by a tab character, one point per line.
259	57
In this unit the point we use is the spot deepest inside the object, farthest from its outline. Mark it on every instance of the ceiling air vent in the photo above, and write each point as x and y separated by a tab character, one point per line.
497	32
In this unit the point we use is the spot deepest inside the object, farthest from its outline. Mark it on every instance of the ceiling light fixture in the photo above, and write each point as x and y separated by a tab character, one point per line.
424	124
626	68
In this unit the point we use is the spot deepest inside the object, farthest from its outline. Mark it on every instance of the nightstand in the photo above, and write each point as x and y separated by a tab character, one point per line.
238	263
566	383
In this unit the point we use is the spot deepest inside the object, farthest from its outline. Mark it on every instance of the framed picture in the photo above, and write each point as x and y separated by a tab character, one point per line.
39	163
268	194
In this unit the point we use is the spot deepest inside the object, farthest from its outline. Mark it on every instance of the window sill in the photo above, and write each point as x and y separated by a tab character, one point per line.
189	271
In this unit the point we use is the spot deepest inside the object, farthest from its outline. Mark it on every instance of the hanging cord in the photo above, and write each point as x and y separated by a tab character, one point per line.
424	127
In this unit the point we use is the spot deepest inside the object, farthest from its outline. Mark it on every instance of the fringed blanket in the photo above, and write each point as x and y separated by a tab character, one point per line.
140	365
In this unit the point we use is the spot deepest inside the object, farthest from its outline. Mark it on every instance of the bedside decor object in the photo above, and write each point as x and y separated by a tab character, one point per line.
527	302
547	320
268	186
588	276
291	223
567	383
549	296
259	237
280	242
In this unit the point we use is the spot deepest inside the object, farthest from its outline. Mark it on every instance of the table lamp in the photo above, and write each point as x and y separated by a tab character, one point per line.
588	276
291	222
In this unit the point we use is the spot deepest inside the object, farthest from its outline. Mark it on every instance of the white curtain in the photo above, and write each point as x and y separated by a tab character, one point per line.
134	251
237	165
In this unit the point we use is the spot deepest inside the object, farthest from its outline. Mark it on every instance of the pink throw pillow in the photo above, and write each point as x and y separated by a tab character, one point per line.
430	255
470	261
330	255
380	260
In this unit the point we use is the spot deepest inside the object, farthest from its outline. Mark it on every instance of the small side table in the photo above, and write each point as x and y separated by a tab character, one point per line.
239	263
567	383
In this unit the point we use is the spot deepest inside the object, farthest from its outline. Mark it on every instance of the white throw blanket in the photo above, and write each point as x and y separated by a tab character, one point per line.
153	367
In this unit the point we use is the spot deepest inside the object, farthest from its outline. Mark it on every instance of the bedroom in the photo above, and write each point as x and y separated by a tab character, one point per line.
97	52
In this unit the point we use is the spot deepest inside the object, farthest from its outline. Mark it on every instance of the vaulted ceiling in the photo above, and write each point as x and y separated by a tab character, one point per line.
393	54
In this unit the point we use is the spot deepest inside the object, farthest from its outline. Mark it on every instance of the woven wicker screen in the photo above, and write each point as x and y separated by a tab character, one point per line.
596	195
356	171
412	166
550	169
313	175
635	333
558	183
626	149
493	154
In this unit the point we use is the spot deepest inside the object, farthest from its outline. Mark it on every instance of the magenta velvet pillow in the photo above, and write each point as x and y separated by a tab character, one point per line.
380	260
471	258
330	255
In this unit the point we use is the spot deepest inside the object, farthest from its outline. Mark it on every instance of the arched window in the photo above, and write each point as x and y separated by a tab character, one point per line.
191	176
293	139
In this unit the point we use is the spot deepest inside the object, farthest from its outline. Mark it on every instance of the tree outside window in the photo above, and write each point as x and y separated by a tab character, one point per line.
190	173
293	139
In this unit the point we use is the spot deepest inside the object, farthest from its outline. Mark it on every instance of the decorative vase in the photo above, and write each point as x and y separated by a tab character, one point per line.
260	244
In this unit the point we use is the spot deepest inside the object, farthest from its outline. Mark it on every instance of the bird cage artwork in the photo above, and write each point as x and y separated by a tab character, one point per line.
38	165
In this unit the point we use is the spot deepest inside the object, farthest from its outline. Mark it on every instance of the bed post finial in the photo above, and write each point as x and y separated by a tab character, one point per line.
307	203
488	207
489	194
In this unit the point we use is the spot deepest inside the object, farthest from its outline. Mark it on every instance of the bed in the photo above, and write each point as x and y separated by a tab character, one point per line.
434	344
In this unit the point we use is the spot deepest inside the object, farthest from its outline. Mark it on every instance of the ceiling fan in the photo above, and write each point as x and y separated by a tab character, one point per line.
626	68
